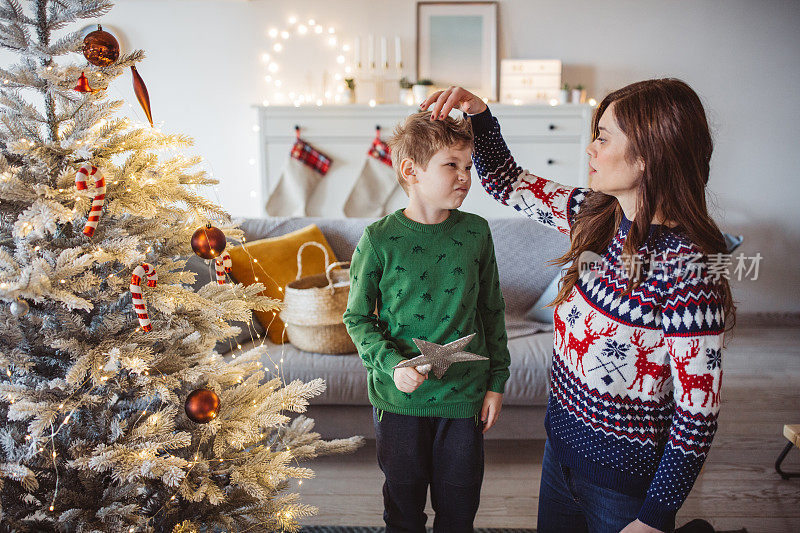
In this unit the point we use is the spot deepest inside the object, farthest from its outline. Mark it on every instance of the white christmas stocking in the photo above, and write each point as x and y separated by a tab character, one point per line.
374	185
304	170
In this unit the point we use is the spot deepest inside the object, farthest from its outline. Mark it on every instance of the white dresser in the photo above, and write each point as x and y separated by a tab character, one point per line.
550	141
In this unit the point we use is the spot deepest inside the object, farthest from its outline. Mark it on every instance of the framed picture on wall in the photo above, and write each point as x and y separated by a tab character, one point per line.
457	45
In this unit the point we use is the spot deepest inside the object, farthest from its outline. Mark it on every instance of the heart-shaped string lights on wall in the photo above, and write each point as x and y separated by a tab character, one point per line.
314	88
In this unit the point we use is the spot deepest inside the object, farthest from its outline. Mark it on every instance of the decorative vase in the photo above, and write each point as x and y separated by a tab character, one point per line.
420	92
406	97
578	96
348	96
563	96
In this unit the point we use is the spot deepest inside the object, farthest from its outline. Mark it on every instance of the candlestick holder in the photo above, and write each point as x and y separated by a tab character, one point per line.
379	85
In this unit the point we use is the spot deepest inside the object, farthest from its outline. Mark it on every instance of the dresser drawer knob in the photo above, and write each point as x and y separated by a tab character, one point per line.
551	161
552	126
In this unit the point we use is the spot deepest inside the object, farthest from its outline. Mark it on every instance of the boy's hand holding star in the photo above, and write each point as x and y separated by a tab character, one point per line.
407	379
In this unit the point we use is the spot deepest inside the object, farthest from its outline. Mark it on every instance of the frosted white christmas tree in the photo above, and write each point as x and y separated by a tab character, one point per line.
94	434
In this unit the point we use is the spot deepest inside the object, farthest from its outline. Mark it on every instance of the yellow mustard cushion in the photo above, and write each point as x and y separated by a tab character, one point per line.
276	266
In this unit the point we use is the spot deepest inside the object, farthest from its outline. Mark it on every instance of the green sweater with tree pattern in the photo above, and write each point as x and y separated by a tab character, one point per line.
436	282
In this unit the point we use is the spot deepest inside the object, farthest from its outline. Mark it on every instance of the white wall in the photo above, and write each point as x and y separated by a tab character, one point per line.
204	73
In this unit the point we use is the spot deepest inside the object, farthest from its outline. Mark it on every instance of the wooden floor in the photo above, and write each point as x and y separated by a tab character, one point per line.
737	488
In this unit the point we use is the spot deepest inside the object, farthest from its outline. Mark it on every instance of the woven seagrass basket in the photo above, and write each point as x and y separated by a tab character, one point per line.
313	307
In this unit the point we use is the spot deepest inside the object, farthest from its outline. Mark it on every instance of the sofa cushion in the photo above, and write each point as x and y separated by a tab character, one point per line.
277	265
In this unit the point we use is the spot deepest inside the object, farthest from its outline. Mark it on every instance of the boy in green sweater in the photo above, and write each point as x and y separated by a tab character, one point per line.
430	270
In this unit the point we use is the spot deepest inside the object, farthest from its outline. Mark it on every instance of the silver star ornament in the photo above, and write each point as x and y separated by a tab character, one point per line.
438	357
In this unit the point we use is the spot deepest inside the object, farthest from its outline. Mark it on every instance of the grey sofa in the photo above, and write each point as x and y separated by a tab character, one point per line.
522	248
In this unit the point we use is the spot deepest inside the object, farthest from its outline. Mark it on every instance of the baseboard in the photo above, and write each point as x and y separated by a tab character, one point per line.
779	319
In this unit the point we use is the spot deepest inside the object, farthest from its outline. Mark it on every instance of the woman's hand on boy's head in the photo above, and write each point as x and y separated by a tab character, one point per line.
407	379
492	404
453	98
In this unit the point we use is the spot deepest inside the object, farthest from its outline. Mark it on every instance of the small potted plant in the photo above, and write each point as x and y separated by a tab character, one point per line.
564	93
406	96
578	94
421	89
349	95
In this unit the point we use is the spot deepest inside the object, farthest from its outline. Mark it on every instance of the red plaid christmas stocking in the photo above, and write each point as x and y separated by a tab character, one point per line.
304	170
375	184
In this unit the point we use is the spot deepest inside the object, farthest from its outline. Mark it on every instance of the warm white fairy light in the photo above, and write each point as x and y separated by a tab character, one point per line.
302	29
273	32
292	20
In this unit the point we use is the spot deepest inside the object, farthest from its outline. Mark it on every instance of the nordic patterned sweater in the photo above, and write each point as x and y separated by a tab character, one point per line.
435	282
634	386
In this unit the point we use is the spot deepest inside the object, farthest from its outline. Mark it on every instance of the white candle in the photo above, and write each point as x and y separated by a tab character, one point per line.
398	52
357	52
371	51
384	61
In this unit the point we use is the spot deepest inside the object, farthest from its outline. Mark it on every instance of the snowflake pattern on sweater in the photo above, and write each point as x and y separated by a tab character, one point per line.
635	380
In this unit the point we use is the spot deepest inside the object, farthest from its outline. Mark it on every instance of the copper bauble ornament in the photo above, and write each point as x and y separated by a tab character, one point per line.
83	85
19	308
208	242
100	48
141	94
202	406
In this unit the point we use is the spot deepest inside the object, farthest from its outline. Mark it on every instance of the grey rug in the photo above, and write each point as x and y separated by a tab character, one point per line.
362	529
687	528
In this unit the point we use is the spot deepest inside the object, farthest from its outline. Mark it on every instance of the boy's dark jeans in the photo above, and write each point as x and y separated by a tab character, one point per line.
445	453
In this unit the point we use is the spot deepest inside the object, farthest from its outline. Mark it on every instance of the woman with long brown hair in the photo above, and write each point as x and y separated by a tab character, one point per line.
638	336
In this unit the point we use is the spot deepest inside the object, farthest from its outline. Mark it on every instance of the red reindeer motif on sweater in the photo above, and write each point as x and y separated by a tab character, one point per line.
689	382
559	326
536	187
647	368
590	336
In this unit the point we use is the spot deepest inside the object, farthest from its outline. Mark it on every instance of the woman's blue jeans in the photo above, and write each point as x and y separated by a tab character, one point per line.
570	503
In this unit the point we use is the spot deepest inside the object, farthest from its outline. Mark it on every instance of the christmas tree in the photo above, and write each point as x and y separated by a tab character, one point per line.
117	413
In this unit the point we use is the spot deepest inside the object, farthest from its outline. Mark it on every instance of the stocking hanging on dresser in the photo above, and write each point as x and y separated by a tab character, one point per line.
375	184
305	168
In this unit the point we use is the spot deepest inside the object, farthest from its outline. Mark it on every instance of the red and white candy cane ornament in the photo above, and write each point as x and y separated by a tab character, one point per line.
145	269
222	264
99	198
